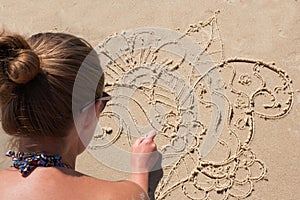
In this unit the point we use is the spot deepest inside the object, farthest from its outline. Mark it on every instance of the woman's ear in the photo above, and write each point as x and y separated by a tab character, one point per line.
97	108
90	115
87	122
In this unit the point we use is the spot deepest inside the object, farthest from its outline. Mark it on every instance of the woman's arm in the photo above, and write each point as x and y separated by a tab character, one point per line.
143	158
141	179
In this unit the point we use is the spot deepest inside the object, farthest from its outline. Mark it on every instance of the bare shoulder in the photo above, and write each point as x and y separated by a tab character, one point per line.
115	190
7	174
66	184
128	190
102	189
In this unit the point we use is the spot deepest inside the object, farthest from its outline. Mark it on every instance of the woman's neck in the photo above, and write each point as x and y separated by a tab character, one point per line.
68	149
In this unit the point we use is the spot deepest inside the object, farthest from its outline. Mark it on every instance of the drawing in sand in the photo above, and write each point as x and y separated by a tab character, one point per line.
202	104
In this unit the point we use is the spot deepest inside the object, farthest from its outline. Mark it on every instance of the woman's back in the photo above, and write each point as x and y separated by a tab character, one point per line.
60	183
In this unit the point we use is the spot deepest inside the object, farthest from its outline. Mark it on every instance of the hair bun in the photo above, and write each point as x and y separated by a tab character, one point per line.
24	67
22	64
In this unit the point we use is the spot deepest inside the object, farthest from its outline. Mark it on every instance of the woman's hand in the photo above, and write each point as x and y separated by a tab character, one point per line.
144	154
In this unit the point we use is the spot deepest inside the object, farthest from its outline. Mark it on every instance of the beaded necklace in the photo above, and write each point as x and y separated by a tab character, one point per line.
26	162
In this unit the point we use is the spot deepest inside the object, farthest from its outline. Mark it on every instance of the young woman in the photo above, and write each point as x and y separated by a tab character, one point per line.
37	76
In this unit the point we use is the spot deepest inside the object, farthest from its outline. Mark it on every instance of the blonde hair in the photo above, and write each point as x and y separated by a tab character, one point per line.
36	82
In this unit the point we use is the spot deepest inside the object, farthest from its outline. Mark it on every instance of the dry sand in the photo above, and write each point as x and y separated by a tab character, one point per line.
217	80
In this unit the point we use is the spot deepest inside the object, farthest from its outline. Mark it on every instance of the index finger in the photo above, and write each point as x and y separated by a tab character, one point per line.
151	135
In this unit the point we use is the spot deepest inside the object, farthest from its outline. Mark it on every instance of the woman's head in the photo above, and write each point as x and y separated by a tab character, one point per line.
37	77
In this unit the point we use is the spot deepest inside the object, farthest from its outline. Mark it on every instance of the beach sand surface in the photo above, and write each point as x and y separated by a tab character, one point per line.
258	41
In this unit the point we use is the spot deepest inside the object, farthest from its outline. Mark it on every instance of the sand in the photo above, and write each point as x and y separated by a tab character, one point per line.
217	80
